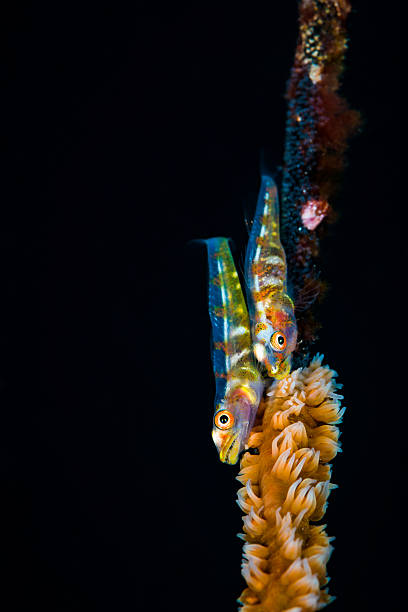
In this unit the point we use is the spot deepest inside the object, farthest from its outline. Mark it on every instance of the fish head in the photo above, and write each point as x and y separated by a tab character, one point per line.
233	421
275	337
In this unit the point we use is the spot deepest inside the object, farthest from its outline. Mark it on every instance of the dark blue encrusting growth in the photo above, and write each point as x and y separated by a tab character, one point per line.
318	126
300	160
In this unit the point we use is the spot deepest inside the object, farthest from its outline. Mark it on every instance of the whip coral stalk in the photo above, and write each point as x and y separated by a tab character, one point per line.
285	490
319	126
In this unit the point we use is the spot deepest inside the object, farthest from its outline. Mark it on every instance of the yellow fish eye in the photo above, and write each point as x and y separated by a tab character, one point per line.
278	341
224	419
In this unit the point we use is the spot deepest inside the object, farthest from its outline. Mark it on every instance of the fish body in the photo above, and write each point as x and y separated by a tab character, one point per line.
239	384
273	321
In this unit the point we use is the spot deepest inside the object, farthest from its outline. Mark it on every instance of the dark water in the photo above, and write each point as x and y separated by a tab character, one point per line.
129	132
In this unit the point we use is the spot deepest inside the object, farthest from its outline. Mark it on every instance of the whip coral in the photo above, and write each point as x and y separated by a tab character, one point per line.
286	486
319	126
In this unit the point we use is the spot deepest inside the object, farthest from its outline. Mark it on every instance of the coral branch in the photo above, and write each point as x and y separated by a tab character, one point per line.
286	487
318	127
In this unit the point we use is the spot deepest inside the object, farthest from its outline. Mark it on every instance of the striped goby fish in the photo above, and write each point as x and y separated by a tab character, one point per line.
239	385
273	321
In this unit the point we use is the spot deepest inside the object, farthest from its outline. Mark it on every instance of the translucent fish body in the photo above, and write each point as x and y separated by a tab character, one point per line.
273	319
239	384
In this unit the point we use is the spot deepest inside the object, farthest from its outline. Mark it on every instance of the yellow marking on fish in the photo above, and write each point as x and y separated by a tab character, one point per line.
260	327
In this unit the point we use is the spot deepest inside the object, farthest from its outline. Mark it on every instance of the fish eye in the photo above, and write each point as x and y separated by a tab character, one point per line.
224	419
278	341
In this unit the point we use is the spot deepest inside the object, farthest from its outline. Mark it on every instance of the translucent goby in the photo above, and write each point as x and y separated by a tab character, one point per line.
239	384
272	312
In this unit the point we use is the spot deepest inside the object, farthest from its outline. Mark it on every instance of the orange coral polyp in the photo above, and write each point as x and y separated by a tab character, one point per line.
286	486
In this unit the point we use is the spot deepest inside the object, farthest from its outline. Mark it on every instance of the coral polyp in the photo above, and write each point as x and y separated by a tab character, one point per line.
285	490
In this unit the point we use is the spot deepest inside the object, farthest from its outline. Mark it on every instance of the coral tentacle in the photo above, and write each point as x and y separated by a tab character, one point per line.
286	487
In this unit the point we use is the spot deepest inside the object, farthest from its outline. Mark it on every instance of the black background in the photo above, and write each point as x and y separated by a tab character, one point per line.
129	132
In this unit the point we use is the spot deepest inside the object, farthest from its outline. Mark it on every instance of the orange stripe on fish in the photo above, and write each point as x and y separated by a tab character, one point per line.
219	311
265	292
261	241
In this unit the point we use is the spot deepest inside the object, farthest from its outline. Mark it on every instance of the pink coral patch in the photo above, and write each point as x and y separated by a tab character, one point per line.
313	212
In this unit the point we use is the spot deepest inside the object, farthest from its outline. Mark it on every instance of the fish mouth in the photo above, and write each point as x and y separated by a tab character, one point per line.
273	369
279	370
229	452
230	444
